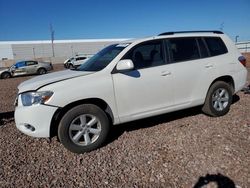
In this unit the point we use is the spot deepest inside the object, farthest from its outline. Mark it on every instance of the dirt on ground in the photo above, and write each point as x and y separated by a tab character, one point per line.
180	149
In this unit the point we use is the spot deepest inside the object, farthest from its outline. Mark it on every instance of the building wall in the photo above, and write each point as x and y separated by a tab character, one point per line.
243	46
6	51
19	50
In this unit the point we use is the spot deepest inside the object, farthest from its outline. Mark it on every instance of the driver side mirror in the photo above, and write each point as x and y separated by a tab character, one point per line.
125	64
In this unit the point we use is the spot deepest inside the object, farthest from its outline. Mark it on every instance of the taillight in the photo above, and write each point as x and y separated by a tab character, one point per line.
243	61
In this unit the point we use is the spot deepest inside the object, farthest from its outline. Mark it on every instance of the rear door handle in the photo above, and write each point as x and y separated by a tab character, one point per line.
209	66
165	73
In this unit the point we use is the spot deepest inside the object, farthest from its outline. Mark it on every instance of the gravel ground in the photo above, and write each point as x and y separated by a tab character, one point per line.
180	149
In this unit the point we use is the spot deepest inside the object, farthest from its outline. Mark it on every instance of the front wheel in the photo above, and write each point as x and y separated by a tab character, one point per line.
83	128
5	75
218	100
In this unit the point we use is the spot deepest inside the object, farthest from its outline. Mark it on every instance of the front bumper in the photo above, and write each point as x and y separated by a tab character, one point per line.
34	120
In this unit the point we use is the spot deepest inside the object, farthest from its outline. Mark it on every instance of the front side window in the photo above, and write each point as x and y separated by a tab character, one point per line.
80	58
20	64
216	46
183	49
102	58
147	54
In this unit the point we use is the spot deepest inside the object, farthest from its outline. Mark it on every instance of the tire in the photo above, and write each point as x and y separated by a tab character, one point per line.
5	75
76	135
41	71
218	99
71	66
66	65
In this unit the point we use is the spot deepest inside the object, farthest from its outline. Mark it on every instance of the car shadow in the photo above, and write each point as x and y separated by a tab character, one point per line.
236	98
219	179
118	130
6	117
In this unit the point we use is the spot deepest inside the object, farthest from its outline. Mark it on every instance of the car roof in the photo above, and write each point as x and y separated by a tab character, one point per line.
175	34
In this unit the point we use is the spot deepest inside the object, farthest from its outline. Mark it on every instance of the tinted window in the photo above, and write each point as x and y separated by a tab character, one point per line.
147	54
80	58
203	48
100	60
183	49
216	46
29	63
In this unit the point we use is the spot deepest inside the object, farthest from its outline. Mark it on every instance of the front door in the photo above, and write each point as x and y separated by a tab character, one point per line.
147	90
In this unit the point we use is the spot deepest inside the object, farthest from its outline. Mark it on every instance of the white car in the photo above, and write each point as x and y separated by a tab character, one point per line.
76	61
129	81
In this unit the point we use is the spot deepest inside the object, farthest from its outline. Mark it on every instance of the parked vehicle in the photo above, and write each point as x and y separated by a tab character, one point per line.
129	81
74	62
26	68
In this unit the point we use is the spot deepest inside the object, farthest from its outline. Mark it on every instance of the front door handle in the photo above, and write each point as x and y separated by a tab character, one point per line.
165	73
209	65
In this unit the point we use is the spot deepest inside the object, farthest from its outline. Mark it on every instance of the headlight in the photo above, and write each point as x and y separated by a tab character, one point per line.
39	97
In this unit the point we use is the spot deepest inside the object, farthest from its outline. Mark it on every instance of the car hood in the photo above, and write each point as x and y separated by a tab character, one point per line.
40	81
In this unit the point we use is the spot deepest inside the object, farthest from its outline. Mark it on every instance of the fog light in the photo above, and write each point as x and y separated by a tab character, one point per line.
30	127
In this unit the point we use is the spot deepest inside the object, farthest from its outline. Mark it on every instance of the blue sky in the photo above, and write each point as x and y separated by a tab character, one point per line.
83	19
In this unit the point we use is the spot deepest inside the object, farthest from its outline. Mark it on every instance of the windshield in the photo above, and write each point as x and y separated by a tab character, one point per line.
102	58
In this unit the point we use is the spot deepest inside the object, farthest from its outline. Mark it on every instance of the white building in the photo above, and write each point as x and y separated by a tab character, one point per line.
19	50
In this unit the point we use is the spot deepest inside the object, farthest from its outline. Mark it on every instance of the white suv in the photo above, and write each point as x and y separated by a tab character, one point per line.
76	61
129	81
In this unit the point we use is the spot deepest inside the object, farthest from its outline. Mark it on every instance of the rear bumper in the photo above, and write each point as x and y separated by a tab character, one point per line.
240	79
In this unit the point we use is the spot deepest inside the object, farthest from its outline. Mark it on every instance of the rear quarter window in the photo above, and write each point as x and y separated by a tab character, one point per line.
216	46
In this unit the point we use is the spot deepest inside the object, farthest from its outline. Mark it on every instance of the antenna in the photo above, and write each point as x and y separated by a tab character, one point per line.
52	34
222	26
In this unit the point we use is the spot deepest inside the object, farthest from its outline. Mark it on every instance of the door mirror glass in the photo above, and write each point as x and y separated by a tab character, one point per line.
125	64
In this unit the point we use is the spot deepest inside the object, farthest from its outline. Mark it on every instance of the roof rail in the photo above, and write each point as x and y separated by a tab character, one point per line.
176	32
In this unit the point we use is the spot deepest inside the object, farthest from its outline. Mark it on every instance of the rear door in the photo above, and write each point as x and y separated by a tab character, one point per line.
31	67
191	68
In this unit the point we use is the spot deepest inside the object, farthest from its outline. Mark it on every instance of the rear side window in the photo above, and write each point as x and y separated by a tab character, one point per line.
203	49
216	46
29	63
183	49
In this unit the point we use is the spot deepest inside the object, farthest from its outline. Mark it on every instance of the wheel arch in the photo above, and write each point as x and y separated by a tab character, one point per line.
61	111
41	68
5	72
228	79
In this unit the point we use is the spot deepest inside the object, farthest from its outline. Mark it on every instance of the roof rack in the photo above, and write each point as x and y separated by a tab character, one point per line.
176	32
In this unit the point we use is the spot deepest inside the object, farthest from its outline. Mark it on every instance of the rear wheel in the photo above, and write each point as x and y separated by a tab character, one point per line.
218	100
83	128
5	75
42	71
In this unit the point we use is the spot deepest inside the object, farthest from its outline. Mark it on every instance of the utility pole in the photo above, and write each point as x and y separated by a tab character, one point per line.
222	26
236	38
52	34
34	54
